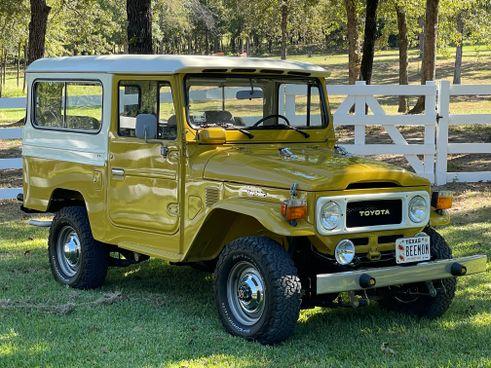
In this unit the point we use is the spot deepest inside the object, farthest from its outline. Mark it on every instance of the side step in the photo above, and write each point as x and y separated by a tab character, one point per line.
40	223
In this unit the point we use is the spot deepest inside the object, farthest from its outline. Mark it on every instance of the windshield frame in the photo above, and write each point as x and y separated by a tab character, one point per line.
316	82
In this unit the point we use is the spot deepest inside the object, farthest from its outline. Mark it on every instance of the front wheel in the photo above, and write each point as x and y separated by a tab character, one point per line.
415	298
257	290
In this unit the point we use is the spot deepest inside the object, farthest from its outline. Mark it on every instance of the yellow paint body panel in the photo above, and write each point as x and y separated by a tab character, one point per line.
187	205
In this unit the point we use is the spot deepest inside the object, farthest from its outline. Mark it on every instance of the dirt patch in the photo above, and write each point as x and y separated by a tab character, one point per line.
10	178
10	148
10	211
414	135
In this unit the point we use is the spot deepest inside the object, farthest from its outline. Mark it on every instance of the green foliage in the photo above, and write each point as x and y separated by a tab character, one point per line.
232	26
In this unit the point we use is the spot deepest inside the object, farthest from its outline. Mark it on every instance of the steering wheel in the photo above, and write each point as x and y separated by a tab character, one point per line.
262	120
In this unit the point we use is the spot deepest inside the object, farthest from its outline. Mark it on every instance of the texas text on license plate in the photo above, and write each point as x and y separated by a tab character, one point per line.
414	249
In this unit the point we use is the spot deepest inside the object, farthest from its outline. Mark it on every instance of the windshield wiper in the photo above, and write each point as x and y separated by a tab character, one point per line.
305	134
229	126
245	132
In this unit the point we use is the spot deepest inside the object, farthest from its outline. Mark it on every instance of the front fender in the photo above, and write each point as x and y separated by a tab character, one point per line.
268	215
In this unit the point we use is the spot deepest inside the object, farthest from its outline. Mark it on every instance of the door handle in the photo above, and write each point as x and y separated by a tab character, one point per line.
117	172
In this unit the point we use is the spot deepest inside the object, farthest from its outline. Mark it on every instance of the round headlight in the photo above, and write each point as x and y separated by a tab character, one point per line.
344	252
418	209
330	215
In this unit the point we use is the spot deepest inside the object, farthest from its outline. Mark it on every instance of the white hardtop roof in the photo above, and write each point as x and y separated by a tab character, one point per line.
165	64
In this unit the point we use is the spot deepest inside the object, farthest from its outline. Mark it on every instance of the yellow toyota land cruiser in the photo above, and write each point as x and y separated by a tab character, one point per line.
229	165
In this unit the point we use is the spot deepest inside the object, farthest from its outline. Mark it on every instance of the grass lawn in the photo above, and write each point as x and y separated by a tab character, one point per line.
159	315
156	315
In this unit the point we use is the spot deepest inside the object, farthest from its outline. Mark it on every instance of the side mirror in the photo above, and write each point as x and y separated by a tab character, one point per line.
146	126
212	135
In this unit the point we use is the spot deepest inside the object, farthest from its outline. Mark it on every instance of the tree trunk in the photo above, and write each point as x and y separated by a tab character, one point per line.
429	54
139	26
369	41
421	37
25	68
284	24
353	41
4	66
1	76
403	46
19	47
37	29
457	72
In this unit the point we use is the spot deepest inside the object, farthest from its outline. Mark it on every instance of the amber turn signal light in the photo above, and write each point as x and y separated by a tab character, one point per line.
294	209
442	200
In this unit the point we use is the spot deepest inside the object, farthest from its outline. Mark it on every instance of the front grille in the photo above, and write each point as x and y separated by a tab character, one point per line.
373	213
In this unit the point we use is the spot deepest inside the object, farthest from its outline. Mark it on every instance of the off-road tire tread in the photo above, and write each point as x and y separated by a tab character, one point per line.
429	307
282	273
93	269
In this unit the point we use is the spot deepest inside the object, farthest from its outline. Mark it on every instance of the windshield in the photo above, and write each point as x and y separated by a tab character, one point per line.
255	102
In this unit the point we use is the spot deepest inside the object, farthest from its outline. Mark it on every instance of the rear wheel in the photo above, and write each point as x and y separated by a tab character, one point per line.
257	290
75	257
416	298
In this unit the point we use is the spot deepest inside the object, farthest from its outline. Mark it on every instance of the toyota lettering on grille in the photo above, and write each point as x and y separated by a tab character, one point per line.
374	212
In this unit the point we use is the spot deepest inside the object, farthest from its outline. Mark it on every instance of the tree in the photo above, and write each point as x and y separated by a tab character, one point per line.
37	30
284	25
369	41
458	49
139	27
429	53
403	47
353	40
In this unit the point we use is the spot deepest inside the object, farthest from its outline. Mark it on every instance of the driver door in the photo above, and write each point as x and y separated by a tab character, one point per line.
144	173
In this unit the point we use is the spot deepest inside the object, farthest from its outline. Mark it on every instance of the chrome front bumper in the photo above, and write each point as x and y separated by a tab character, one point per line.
398	275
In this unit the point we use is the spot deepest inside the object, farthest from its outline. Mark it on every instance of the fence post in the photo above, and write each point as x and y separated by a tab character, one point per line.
442	132
430	131
360	111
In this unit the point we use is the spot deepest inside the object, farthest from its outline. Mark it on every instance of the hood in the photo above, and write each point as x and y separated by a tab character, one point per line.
312	168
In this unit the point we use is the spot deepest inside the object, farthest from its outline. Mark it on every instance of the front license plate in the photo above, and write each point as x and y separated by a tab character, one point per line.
414	249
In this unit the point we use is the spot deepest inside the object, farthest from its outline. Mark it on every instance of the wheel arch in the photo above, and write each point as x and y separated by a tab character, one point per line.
61	197
241	218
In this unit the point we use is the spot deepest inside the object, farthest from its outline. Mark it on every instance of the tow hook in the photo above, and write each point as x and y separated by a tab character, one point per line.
431	288
356	300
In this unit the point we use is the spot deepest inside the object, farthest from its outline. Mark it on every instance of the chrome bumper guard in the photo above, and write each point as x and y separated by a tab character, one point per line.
397	275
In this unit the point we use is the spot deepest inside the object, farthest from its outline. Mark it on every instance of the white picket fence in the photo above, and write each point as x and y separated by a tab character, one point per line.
360	108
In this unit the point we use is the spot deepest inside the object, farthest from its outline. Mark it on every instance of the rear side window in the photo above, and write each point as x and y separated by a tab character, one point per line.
68	105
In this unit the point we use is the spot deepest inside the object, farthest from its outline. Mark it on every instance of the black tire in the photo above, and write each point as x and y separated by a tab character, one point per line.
282	289
92	257
425	305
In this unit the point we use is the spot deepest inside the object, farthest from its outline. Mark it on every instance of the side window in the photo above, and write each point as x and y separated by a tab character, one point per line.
129	108
48	104
167	116
146	97
68	105
301	103
83	110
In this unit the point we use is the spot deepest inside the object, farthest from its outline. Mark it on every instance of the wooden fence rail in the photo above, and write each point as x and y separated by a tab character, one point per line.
361	108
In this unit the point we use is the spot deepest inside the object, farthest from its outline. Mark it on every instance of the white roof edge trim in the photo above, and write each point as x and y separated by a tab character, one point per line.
163	64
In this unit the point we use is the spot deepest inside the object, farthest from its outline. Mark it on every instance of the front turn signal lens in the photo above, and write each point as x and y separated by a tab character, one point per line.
294	209
442	200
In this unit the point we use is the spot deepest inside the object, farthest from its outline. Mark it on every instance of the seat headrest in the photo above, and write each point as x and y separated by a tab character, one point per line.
172	122
218	116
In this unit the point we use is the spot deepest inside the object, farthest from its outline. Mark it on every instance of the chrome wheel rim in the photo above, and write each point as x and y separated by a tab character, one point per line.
68	250
246	293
